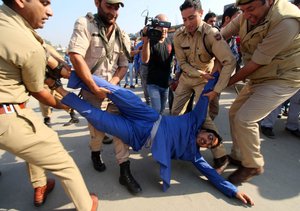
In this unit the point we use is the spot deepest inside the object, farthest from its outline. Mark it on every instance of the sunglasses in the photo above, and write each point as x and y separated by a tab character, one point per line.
211	138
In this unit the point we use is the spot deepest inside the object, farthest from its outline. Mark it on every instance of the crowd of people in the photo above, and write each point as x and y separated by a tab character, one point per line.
249	45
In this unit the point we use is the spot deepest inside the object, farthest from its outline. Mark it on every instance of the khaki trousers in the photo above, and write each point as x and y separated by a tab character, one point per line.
121	149
23	134
253	103
47	110
182	95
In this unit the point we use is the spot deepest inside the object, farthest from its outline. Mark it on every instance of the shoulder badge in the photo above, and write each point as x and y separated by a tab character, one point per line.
90	17
218	37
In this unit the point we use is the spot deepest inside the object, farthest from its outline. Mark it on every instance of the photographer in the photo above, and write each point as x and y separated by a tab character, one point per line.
158	52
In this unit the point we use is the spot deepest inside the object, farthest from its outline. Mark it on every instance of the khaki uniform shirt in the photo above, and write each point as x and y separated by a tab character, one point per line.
87	42
275	44
22	58
193	55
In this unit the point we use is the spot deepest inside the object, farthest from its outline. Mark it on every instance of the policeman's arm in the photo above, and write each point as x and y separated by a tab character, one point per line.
249	68
63	68
119	75
232	28
45	97
84	72
56	61
223	53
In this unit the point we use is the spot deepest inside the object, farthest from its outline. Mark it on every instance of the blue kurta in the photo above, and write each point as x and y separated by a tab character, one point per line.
175	137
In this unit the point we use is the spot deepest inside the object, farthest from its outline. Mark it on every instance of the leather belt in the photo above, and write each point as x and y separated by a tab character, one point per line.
7	108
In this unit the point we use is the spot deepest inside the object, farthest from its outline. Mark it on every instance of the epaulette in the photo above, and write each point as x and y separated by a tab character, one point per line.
179	31
90	17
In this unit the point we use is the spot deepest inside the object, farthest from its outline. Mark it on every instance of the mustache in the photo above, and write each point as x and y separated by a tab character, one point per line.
111	16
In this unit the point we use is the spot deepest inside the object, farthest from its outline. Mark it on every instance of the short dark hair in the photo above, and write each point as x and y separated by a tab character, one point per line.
8	2
196	4
209	15
229	12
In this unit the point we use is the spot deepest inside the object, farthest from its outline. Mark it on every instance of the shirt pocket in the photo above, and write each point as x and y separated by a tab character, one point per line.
186	50
117	52
203	56
97	47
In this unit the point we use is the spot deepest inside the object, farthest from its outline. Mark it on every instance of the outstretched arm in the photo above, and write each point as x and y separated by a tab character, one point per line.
218	181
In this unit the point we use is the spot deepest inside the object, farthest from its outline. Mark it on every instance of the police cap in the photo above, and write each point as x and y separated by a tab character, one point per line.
115	2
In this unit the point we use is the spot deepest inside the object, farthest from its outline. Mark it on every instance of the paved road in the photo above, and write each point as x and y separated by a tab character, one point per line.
277	189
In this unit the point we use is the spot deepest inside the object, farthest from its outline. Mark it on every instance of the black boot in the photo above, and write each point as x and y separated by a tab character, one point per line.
47	121
73	119
97	161
127	179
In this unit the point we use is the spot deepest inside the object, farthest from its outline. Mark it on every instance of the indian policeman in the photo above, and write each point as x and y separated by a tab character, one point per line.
22	133
196	46
272	65
99	47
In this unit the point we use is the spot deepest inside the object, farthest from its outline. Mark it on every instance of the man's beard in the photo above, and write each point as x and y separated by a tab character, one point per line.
107	19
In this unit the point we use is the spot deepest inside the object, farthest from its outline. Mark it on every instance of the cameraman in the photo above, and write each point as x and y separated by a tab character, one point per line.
158	52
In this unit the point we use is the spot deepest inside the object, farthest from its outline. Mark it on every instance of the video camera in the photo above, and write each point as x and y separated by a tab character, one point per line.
153	33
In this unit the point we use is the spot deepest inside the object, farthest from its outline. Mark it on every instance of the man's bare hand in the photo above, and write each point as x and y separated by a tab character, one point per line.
211	95
244	198
207	76
101	92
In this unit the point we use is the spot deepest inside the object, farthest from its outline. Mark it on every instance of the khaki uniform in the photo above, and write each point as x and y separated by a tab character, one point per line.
22	69
193	56
87	42
277	80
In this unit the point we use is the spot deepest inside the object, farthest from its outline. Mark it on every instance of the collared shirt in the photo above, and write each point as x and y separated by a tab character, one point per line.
274	44
275	41
22	58
195	56
87	42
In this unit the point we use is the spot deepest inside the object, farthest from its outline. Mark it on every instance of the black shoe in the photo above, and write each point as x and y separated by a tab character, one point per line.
234	161
268	131
127	179
47	121
132	87
73	120
294	132
125	85
221	163
107	140
97	161
285	113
